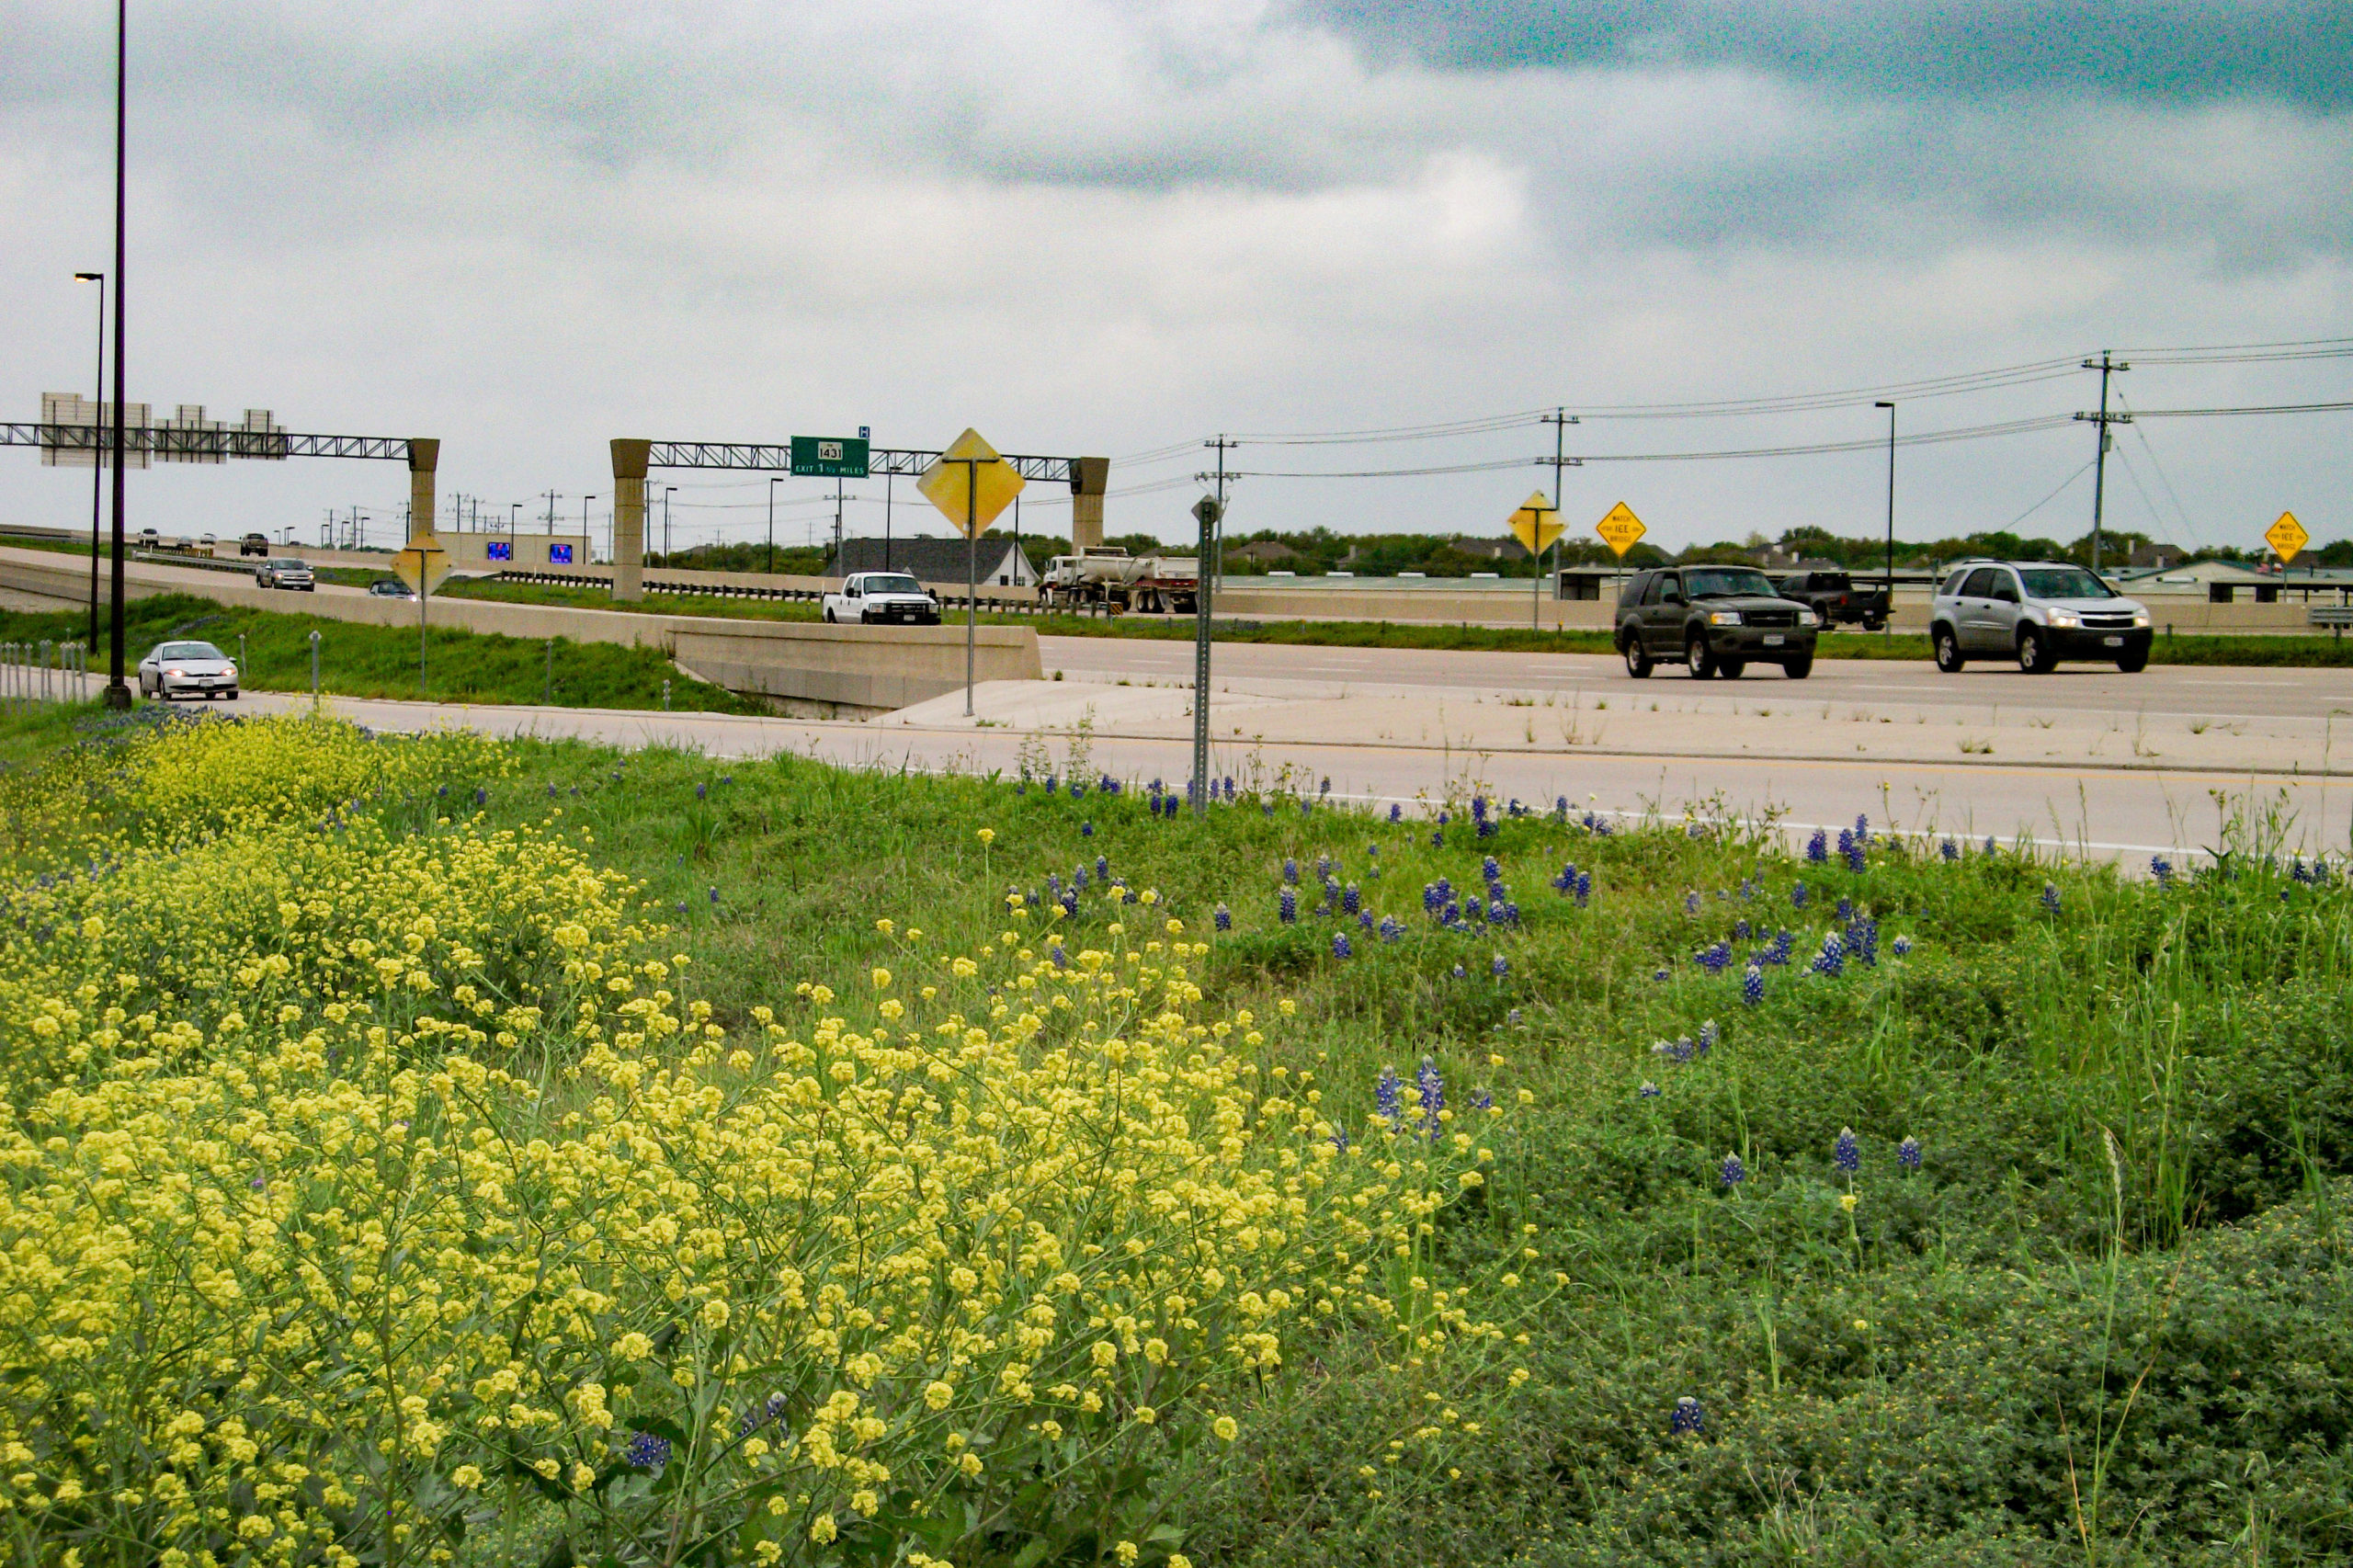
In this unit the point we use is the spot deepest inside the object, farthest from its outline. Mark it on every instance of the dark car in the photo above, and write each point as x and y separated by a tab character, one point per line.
253	544
1714	619
1835	600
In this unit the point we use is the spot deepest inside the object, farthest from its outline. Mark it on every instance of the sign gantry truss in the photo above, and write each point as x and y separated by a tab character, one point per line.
199	445
778	458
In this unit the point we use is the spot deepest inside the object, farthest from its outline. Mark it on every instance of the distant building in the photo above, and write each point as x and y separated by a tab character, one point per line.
2157	557
1263	551
939	561
1489	549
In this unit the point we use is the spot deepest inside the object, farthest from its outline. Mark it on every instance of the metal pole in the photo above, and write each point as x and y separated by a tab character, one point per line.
886	520
971	568
546	695
1204	584
423	601
2099	461
1889	624
314	672
118	690
97	458
772	484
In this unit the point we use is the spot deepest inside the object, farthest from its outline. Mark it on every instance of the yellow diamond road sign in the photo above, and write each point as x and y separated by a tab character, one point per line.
423	565
970	484
1621	529
2287	536
1537	523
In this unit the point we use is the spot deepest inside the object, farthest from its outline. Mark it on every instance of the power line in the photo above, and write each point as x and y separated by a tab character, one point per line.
2046	501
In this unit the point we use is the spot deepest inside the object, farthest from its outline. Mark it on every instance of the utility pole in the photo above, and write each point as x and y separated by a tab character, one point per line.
1560	419
775	479
2105	365
1214	568
117	694
837	519
668	491
551	501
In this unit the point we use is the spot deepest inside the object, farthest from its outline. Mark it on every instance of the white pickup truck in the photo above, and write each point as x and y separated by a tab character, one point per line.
881	598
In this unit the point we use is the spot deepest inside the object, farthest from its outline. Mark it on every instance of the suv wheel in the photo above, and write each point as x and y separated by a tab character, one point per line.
1730	668
1700	657
2034	652
1638	663
1798	669
1947	649
829	615
2133	662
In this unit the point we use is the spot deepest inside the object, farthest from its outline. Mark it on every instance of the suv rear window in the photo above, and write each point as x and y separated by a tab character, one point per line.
1979	584
1636	586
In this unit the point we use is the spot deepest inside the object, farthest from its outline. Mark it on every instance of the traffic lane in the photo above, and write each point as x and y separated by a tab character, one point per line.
2160	690
2085	813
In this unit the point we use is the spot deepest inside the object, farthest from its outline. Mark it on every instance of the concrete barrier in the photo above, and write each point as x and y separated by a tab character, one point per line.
856	666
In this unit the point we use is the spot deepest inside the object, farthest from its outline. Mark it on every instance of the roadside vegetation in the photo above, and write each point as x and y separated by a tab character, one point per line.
438	1150
357	660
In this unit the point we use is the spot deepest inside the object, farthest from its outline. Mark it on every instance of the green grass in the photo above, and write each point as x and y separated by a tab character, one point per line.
381	661
2102	1322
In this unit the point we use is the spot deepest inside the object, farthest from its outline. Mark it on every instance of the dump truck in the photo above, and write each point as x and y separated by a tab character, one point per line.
1108	578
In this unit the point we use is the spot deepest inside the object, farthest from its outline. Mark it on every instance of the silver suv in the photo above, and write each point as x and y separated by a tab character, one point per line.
2037	612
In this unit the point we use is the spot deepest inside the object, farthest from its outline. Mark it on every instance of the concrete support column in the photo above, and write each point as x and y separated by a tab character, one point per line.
629	518
423	457
1088	478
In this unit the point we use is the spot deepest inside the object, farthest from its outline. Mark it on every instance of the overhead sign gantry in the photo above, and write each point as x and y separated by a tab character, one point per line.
827	456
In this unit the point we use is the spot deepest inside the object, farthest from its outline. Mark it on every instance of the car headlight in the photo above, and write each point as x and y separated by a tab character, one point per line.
2140	618
1808	618
230	672
1723	617
2061	618
175	672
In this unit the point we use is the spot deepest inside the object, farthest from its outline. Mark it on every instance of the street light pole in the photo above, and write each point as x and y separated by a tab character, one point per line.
584	530
667	491
98	463
1890	622
118	690
775	479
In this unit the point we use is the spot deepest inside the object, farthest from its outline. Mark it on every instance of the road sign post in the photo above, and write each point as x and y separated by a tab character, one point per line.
1536	525
1208	512
1621	530
971	485
2287	539
422	565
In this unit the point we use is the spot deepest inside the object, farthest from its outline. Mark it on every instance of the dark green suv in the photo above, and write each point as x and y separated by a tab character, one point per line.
1714	619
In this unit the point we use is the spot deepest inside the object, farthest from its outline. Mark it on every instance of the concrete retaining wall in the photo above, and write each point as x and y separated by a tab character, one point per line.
858	665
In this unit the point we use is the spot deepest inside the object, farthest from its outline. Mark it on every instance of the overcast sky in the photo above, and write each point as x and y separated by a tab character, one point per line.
1119	228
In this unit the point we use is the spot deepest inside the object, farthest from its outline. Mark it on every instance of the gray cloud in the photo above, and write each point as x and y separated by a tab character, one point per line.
2299	52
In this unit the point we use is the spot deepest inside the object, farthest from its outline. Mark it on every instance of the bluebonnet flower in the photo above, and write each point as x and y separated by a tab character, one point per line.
1324	788
1510	912
1857	859
1846	1153
1832	960
1492	870
1452	915
1560	808
1740	931
1488	827
1391	929
1752	985
1102	868
1340	949
1687	1418
646	1451
1907	1153
1086	830
1512	1016
443	792
1989	845
1660	976
1290	870
1478	808
2051	897
1340	1139
551	796
1817	848
1692	902
1863	830
1432	1088
1708	1037
714	895
1779	953
1481	1099
1396	812
1732	1170
1461	973
1846	910
1846	842
2295	869
1228	787
1863	941
1500	967
702	792
1476	910
1437	838
1585	888
1224	917
1061	958
1748	889
1364	918
1351	899
682	906
1902	947
1714	959
2161	868
1324	868
1287	909
1388	1099
1649	1090
1798	896
1077	789
1567	880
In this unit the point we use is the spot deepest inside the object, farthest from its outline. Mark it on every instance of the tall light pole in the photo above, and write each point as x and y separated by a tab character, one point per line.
98	463
774	480
584	530
667	491
1890	622
118	690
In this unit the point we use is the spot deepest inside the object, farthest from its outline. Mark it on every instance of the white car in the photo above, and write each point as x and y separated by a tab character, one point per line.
187	669
881	598
2038	612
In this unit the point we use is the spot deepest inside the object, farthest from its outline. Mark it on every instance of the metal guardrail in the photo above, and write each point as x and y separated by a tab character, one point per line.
2336	617
203	563
41	671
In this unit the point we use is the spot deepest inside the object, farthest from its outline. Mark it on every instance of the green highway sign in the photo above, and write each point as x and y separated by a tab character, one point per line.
830	457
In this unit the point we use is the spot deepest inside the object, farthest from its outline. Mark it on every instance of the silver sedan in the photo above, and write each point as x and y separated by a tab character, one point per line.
187	669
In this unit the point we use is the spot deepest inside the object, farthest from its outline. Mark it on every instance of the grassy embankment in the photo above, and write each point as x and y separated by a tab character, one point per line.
2097	1318
381	661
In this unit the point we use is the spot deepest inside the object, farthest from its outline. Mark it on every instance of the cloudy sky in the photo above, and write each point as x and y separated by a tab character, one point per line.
1119	228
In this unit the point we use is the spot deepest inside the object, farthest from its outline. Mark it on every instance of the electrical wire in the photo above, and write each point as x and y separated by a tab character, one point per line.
2046	501
2250	408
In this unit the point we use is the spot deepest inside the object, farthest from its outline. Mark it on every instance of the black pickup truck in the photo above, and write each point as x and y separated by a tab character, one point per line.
1834	597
